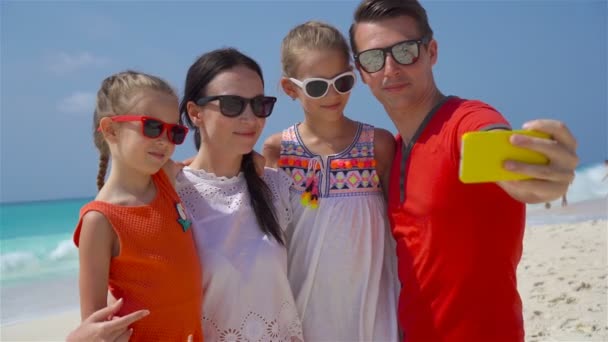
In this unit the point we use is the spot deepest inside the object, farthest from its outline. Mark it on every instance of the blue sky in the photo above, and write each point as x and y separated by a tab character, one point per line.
528	59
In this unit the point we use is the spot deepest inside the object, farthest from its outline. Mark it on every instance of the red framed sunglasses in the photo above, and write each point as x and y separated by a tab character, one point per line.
152	128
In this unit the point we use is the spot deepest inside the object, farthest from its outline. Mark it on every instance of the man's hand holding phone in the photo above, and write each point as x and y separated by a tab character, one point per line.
544	177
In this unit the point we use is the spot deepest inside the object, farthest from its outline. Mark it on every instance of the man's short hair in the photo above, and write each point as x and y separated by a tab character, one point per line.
376	10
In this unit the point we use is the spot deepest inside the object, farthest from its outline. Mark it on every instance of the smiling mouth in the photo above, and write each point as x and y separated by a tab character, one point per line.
395	86
246	134
157	155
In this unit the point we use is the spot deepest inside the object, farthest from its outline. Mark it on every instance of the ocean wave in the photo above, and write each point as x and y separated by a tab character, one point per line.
589	184
64	250
25	258
17	260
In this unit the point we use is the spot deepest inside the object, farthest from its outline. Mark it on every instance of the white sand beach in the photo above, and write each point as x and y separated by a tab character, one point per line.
52	328
563	281
563	276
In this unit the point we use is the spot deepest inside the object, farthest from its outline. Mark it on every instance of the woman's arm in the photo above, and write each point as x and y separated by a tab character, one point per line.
96	246
97	327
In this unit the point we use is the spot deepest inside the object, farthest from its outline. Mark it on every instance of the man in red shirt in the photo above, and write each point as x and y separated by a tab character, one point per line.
458	245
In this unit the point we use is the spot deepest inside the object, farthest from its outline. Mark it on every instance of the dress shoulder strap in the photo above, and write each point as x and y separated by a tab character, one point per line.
289	140
106	209
363	147
164	185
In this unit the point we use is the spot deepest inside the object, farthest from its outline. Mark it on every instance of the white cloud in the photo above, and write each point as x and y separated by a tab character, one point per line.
78	103
62	63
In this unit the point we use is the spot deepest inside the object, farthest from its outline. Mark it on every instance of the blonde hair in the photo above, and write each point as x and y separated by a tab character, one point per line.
115	97
312	35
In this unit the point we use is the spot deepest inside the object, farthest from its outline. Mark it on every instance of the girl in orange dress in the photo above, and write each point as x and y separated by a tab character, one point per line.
134	238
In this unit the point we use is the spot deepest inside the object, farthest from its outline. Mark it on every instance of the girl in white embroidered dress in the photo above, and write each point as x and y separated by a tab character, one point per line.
238	217
342	266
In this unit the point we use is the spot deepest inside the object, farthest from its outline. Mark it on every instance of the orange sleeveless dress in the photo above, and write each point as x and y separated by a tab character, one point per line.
158	267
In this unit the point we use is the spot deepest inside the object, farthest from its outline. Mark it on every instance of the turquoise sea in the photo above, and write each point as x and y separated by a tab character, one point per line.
36	239
39	262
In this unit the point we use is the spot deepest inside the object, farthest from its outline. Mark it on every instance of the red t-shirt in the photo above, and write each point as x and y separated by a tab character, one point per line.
458	245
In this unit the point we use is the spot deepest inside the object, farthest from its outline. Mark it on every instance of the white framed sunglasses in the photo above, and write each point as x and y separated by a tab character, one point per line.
317	87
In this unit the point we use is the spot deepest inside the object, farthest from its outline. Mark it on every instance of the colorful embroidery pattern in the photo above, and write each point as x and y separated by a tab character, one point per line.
350	173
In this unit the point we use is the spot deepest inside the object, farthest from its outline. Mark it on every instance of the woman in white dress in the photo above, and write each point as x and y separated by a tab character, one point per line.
238	217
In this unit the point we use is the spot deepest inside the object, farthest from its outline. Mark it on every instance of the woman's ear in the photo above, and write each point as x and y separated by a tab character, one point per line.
289	88
108	129
194	113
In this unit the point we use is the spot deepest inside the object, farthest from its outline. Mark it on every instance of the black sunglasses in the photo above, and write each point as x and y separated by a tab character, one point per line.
234	105
404	53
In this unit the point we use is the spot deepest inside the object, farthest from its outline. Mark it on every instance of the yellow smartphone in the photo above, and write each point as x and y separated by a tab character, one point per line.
483	154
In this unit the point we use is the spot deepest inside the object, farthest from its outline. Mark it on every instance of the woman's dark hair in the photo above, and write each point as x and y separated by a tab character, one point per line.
200	74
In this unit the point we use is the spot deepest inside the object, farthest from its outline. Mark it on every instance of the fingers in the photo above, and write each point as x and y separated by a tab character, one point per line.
103	314
187	161
551	180
125	336
557	153
106	334
541	172
557	129
190	338
535	190
122	323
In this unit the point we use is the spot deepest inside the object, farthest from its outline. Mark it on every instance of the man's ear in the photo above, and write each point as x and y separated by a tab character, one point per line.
289	88
194	112
433	50
108	129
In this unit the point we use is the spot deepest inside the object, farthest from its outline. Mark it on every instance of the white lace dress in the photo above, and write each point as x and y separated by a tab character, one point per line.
246	295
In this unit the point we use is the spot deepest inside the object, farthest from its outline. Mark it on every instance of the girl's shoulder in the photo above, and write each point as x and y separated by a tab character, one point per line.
94	214
282	143
272	149
289	134
375	133
383	138
380	137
